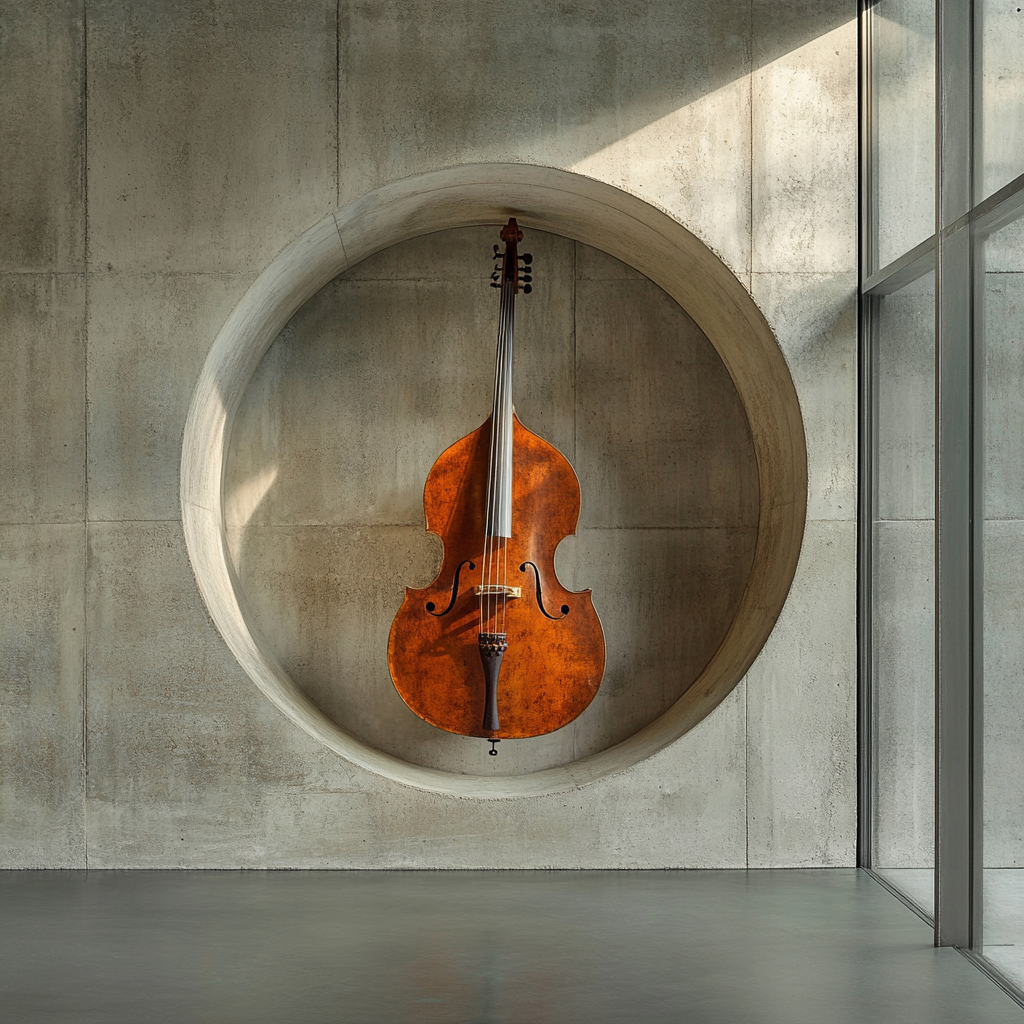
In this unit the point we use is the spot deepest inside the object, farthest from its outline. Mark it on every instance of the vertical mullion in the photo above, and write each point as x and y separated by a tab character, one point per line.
868	146
865	447
865	590
954	726
978	586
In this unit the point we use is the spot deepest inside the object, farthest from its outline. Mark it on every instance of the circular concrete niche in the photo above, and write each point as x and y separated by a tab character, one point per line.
224	491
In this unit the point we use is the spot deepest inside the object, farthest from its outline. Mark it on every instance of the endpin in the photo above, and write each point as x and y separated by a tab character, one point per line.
492	751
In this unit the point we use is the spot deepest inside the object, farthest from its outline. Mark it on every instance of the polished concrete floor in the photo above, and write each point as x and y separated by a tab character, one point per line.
1003	895
516	947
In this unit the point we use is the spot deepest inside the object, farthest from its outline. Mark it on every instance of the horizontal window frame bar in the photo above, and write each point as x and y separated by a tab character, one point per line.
1001	208
903	271
998	210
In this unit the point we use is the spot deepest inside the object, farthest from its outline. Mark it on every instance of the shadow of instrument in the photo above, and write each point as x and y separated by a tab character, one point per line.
496	646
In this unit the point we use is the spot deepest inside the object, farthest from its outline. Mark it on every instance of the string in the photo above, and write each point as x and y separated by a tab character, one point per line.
494	574
507	440
483	604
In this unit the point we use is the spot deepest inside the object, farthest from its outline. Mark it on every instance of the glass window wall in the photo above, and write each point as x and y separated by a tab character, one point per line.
903	97
903	675
999	264
942	469
999	103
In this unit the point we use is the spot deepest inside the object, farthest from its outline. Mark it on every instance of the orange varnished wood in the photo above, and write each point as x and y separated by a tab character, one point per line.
552	668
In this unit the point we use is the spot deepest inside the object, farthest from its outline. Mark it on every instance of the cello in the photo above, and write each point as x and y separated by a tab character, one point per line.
495	646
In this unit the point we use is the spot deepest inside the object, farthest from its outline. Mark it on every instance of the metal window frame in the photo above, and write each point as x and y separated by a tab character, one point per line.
957	784
950	252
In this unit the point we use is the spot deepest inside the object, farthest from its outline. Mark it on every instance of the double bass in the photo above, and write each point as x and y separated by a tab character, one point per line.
495	646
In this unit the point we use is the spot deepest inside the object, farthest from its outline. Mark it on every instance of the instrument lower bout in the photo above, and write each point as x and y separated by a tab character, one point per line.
554	660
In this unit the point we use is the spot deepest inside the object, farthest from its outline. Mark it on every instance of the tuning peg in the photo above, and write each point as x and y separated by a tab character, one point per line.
527	288
496	253
525	278
526	258
496	275
495	284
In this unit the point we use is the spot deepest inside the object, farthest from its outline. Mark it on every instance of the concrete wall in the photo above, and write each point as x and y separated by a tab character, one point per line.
156	158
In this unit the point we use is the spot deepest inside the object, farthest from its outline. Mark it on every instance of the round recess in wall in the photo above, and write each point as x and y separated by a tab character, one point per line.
567	205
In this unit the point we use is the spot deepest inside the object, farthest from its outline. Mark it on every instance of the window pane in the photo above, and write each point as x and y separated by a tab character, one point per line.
999	114
903	94
903	614
1001	331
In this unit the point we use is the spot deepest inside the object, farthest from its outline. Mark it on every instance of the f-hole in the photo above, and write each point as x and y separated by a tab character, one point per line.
540	596
455	591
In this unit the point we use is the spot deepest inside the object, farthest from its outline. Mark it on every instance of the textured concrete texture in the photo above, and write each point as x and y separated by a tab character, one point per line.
42	125
149	334
212	131
801	695
655	99
216	134
804	175
42	644
815	318
42	398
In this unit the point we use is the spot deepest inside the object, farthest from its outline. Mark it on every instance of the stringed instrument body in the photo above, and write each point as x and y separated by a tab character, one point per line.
495	646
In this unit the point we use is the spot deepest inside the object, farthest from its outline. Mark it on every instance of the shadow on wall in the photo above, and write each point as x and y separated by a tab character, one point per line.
391	363
485	72
656	99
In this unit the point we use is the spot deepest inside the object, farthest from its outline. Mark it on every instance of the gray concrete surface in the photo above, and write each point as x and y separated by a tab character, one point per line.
803	213
212	131
216	134
149	334
42	644
42	120
657	100
42	398
722	947
801	760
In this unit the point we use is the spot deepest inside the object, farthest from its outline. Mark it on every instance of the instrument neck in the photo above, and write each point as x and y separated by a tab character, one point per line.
499	486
